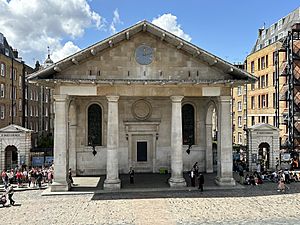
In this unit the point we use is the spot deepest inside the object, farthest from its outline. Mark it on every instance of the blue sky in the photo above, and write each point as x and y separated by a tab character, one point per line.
227	29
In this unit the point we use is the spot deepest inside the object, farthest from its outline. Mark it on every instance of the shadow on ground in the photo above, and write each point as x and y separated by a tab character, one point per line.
148	186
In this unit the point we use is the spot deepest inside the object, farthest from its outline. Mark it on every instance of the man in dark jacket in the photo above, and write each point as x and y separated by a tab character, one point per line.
201	181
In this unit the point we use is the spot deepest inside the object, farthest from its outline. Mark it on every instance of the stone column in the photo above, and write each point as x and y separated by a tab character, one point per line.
112	166
209	151
61	156
224	172
176	179
72	137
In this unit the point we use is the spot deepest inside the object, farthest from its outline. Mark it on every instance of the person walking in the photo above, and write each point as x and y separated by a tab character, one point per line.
193	177
10	193
131	175
201	182
70	177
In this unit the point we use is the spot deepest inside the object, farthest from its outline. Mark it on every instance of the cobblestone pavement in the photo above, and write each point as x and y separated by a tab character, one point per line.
252	205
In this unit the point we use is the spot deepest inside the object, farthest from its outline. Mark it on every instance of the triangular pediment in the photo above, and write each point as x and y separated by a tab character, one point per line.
13	128
115	58
263	127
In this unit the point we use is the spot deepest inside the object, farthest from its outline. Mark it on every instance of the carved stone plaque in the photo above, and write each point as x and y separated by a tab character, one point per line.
141	109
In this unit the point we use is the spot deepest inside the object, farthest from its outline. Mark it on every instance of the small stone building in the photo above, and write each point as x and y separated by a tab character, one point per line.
15	145
140	98
264	146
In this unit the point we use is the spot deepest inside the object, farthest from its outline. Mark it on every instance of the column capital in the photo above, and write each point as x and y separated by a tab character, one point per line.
112	98
176	98
224	99
60	98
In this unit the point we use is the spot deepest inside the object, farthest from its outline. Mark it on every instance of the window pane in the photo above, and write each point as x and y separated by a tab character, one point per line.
188	122
94	125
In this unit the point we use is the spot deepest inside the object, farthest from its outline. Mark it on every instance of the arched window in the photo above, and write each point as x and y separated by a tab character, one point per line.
94	125
188	124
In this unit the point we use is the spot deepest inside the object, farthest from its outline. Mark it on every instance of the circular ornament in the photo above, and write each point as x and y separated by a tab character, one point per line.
144	54
141	109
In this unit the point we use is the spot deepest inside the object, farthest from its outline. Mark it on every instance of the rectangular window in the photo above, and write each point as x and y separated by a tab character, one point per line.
274	79
142	151
6	52
279	24
2	69
272	29
239	138
252	67
258	64
239	90
263	63
245	114
2	112
252	102
274	58
266	43
267	61
258	83
258	119
274	100
252	120
263	34
267	100
258	99
263	100
2	90
239	106
262	80
267	119
274	121
267	80
239	121
263	119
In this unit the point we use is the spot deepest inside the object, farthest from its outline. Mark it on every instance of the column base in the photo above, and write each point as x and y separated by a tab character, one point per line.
60	187
225	181
177	182
209	171
112	184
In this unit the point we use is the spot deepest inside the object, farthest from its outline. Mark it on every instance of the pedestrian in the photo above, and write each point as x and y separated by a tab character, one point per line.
281	185
196	169
70	177
131	175
201	181
39	178
193	178
10	193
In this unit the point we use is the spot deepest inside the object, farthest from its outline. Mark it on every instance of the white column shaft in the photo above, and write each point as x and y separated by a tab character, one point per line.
176	143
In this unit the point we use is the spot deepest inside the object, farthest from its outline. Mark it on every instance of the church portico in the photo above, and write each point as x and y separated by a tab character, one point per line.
141	102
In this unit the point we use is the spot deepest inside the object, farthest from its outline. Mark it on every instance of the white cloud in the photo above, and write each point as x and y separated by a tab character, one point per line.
68	49
169	23
32	25
116	20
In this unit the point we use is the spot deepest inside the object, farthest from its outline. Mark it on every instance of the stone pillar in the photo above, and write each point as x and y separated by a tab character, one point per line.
209	151
61	156
112	166
176	179
72	137
224	172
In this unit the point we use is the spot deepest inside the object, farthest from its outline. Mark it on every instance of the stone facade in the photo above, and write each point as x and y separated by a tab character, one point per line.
139	105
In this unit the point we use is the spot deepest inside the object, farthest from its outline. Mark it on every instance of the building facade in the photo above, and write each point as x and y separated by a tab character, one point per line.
22	104
264	101
139	99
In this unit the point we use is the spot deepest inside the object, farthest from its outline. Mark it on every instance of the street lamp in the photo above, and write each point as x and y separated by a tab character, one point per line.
92	143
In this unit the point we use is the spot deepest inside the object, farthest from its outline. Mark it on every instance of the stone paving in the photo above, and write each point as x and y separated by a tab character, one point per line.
260	204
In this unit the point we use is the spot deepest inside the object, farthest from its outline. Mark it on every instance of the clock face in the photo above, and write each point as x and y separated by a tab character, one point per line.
144	55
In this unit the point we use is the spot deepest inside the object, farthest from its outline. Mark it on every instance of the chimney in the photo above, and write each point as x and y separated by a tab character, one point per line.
15	51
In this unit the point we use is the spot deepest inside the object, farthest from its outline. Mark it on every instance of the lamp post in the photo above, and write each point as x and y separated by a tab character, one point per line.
92	143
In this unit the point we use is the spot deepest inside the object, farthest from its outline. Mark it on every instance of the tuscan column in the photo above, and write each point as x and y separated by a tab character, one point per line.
112	165
61	156
224	172
72	137
176	179
209	151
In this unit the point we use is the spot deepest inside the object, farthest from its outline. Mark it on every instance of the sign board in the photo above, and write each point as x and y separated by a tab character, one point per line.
22	160
254	158
37	161
48	160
